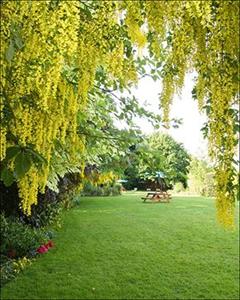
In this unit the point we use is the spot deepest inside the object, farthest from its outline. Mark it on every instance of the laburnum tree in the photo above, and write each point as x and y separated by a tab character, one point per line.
52	51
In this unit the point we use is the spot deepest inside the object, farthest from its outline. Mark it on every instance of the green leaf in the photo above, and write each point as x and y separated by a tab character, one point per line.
18	41
12	152
10	51
236	128
22	164
7	177
37	158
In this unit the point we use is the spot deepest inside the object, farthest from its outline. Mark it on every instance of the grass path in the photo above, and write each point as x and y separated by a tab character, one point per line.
121	248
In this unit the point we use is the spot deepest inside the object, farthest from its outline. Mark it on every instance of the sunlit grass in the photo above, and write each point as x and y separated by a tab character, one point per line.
122	248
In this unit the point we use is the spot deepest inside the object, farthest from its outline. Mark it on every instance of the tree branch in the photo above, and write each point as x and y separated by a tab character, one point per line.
101	136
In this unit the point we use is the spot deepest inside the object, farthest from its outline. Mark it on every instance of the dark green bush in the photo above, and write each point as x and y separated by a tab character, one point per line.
104	190
92	190
46	212
113	190
18	239
76	200
50	204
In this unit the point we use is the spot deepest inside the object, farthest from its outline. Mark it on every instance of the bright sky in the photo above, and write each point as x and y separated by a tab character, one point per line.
183	107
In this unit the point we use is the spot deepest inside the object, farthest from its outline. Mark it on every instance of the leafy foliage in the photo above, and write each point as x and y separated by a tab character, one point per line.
58	56
201	178
18	239
11	267
158	153
103	190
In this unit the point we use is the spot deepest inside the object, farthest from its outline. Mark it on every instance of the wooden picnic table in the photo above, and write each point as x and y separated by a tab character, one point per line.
157	196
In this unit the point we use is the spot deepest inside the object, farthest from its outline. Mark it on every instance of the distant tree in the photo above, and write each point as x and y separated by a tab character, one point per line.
201	177
159	153
170	157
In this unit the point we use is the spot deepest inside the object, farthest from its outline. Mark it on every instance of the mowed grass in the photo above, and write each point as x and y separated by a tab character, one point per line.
121	248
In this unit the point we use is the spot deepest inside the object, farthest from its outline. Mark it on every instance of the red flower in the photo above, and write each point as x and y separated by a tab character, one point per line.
42	249
46	245
49	244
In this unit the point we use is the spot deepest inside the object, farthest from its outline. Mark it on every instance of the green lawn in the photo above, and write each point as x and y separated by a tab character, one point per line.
121	248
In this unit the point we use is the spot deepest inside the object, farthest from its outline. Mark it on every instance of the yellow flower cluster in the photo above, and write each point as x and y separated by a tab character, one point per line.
133	20
166	97
105	178
28	189
115	61
3	143
43	41
224	204
155	11
21	264
205	40
44	104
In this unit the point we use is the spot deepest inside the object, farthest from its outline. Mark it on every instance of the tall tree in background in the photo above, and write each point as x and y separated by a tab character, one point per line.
158	153
50	54
175	159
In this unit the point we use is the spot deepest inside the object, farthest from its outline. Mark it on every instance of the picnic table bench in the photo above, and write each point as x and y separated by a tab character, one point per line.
157	196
